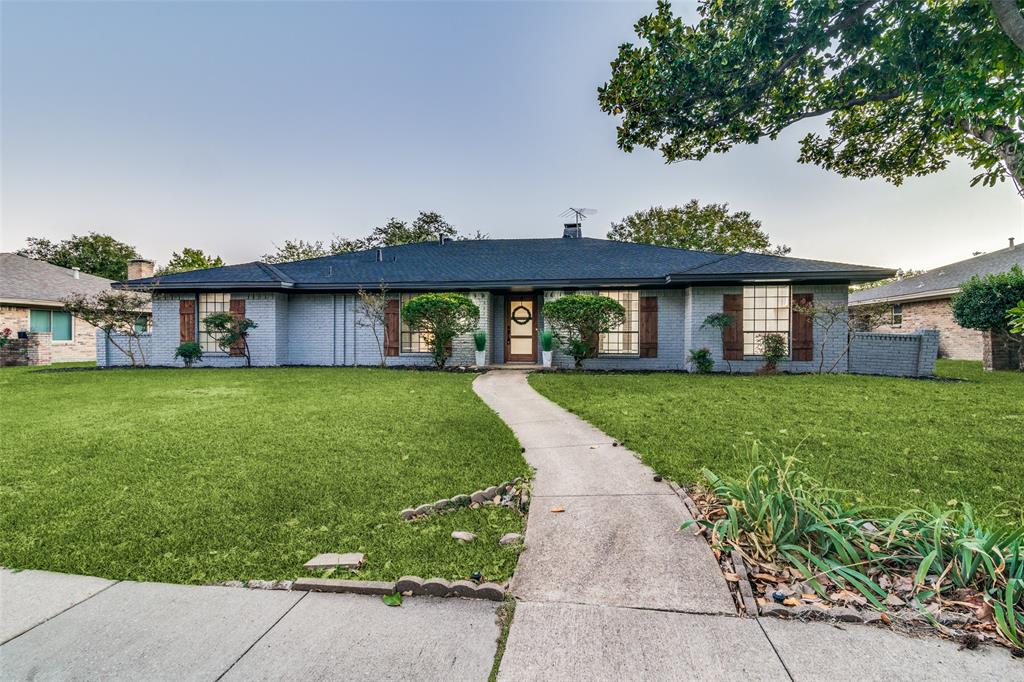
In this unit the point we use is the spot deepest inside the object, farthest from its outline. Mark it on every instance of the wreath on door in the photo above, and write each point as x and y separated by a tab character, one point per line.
521	315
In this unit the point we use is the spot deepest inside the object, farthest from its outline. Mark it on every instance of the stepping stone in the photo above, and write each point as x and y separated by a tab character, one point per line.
330	560
510	539
463	536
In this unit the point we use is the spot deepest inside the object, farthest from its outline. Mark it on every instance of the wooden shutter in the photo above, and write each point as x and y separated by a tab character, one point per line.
648	326
187	320
392	328
732	336
802	328
237	308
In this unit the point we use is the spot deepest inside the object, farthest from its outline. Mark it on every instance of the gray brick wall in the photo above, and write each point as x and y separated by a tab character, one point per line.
703	301
109	355
901	355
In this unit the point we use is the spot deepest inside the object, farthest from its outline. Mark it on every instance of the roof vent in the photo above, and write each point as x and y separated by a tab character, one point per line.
380	255
78	270
572	231
1011	242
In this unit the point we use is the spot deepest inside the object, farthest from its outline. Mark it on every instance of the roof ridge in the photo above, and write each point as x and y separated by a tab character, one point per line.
274	272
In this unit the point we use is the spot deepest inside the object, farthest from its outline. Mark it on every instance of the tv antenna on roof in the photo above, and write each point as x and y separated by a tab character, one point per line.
578	213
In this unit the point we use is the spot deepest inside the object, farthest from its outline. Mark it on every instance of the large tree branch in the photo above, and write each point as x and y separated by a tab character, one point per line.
1011	152
1010	19
848	104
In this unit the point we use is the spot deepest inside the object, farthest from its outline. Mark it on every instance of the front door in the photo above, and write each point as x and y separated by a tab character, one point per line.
521	329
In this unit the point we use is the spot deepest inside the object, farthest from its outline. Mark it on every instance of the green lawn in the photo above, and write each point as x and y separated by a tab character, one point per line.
891	442
198	476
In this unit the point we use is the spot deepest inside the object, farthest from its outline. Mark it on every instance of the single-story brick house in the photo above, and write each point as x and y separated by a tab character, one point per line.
31	293
923	302
307	310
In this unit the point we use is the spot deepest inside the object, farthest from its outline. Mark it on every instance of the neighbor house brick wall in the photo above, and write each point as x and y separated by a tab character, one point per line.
703	301
954	341
81	347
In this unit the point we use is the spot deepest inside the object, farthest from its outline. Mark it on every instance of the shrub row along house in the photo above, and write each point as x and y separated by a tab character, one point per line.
307	312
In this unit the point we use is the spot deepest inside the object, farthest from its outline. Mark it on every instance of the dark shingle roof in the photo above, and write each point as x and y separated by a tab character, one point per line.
23	280
507	262
942	281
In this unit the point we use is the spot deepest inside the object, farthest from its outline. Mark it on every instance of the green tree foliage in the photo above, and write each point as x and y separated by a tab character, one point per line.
441	317
229	330
115	313
94	253
703	228
578	319
982	303
901	274
190	259
189	352
428	226
1015	315
904	85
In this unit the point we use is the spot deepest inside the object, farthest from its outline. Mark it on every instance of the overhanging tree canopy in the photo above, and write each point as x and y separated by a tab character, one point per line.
904	84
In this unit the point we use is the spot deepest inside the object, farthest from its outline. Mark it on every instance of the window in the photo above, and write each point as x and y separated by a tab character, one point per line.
57	322
210	304
765	311
624	339
413	340
897	314
141	324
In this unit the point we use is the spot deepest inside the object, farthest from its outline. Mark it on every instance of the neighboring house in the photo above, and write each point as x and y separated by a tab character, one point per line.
307	311
31	293
923	302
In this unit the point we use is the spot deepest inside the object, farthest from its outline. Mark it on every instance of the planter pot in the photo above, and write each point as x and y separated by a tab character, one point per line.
546	356
481	358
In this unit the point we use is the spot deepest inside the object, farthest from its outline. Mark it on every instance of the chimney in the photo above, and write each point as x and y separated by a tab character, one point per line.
380	255
1011	243
77	272
572	231
139	268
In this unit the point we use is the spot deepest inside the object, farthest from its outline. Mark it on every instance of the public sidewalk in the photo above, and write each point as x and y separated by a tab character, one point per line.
610	589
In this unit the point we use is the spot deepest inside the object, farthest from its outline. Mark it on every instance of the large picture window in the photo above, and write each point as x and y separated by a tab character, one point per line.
413	340
210	304
624	339
765	311
59	323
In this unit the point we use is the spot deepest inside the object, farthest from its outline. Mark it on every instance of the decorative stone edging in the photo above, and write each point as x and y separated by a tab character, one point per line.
406	585
480	497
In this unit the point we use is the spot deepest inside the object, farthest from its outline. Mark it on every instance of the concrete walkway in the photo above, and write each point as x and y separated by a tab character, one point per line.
610	589
58	627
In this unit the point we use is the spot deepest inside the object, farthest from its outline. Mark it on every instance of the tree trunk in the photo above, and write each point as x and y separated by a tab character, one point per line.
1011	153
1010	19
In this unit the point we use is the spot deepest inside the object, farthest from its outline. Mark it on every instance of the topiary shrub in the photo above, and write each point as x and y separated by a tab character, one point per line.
441	317
189	352
702	361
578	319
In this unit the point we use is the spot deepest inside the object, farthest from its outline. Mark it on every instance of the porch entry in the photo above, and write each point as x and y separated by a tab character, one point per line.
521	329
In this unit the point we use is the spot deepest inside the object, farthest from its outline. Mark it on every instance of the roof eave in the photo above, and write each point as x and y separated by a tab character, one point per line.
916	296
832	276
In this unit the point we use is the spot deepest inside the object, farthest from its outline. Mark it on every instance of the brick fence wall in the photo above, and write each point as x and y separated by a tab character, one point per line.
35	349
901	355
954	341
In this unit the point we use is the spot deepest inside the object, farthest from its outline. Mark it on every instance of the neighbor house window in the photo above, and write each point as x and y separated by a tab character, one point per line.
625	338
57	322
413	340
897	314
210	304
765	311
141	324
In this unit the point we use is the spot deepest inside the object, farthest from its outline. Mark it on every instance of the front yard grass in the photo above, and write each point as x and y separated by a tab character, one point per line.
200	476
889	442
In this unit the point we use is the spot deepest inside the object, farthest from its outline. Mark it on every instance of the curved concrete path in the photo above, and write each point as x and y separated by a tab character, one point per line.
610	589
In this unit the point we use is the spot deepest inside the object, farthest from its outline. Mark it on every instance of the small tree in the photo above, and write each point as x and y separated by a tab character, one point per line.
578	319
773	349
114	312
720	321
373	313
229	330
982	303
441	317
836	318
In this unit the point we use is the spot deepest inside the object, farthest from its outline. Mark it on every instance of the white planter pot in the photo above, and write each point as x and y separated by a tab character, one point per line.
481	358
546	356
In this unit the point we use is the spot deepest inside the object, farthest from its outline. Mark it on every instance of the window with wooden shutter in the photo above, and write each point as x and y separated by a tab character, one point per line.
392	328
237	309
187	320
803	328
648	326
732	336
623	339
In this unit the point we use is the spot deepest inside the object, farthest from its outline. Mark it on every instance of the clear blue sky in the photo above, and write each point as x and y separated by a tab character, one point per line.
230	126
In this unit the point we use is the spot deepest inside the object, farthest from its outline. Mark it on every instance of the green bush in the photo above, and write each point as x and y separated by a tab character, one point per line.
189	352
1015	315
780	515
982	303
547	340
702	361
480	341
441	317
578	319
773	349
